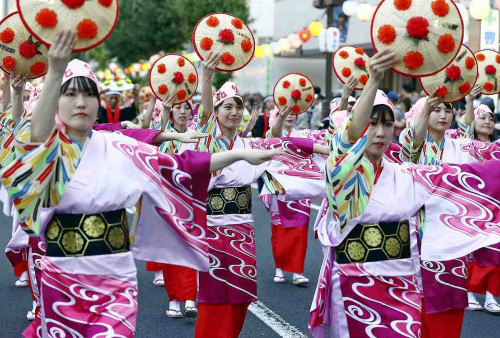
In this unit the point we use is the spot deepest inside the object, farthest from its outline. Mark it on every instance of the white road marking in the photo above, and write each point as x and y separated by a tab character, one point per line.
274	321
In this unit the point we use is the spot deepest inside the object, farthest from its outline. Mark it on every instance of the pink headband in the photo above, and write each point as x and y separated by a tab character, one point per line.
380	99
77	68
481	110
228	90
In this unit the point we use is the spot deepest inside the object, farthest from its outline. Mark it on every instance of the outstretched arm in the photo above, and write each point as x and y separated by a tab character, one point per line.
223	159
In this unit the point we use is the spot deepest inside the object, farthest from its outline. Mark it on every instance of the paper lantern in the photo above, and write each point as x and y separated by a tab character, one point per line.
275	47
284	45
364	12
294	40
259	52
479	9
315	28
305	34
349	7
145	66
136	67
266	48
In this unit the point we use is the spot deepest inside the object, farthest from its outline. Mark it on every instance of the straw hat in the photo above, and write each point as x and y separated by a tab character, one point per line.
426	35
173	73
21	52
294	90
145	94
117	85
227	35
488	62
455	81
350	61
93	21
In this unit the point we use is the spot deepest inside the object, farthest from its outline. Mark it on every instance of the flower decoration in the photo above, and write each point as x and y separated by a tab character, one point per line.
418	28
296	94
363	79
9	62
402	5
286	84
360	62
86	29
480	57
206	43
346	72
469	62
446	43
227	59
178	78
163	89
453	73
246	45
212	21
309	98
296	109
359	51
38	68
282	100
302	82
106	3
413	60
498	58
343	54
237	23
464	88
181	62
490	69
73	4
226	36
29	49
181	94
162	68
192	78
440	8
46	18
442	91
386	34
7	35
488	86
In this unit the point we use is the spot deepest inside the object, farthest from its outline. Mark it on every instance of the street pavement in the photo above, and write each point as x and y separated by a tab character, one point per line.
287	301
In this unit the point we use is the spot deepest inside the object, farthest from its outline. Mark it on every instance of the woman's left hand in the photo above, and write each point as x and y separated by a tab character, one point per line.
18	82
191	137
60	51
256	156
129	125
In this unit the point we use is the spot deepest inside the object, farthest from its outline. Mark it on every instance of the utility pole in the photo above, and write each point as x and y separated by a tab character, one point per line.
328	70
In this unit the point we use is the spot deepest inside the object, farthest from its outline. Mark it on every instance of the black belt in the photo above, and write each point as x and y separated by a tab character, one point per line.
76	235
375	242
226	201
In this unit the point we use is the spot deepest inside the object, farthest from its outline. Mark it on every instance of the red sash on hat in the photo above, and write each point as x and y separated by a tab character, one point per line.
113	118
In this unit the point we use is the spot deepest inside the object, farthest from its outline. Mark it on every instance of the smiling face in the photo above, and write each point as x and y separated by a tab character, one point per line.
289	122
440	119
78	104
379	132
181	115
485	125
229	114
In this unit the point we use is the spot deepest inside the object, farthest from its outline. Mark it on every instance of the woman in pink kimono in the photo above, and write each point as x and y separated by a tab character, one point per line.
88	281
230	285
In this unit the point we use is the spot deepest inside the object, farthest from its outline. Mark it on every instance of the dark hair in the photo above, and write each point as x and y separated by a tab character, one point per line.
83	85
448	106
379	113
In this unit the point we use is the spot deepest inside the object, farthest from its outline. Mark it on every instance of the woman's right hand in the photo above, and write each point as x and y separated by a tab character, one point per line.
210	63
169	102
380	63
432	102
349	86
60	51
18	82
473	93
283	113
257	156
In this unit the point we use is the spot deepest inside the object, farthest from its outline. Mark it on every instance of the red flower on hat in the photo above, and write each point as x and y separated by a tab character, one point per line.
453	72
488	86
464	88
309	98
73	4
402	5
413	60
343	54
163	89
363	79
286	84
38	68
7	35
469	62
181	94
302	82
446	43
440	8
360	62
46	18
226	36
178	78
192	78
480	57
418	27
227	59
386	34
498	58
28	49
296	94
346	72
296	109
181	62
360	51
442	91
9	62
106	3
212	21
246	45
282	100
206	43
86	29
490	69
162	68
237	23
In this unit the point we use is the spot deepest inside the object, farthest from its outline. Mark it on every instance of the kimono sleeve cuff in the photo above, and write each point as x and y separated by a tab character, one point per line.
303	144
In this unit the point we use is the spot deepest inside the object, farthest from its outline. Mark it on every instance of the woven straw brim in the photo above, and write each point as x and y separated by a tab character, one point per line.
433	82
105	18
21	34
203	30
306	92
339	63
120	86
156	79
490	59
145	94
434	60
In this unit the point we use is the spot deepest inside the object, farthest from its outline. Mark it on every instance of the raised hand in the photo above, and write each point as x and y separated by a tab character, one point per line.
210	63
60	51
380	63
18	82
349	86
432	102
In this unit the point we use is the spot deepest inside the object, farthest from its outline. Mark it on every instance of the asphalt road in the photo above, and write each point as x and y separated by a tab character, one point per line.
290	302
